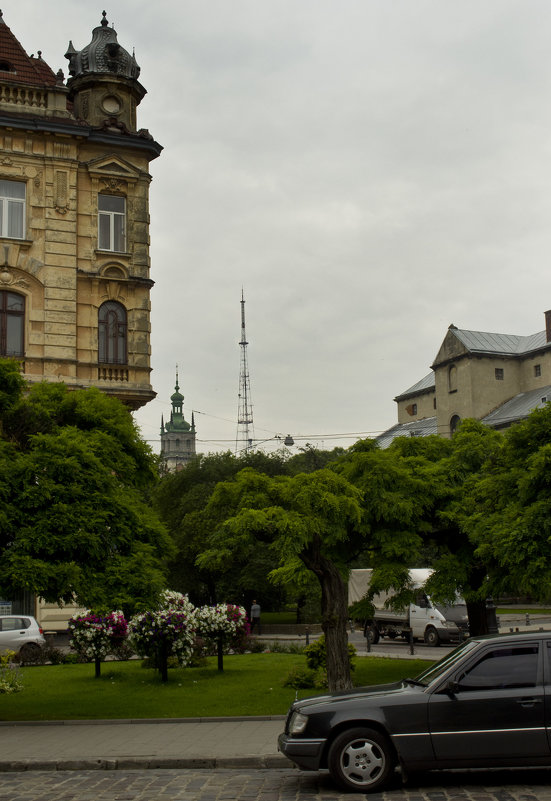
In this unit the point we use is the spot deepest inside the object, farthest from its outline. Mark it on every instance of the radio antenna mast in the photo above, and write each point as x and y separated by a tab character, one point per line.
245	431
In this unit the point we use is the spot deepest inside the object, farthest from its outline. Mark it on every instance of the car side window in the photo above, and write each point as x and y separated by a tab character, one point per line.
502	668
12	624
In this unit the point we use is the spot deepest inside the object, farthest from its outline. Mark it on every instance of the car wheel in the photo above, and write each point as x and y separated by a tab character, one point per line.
372	634
431	636
28	652
360	760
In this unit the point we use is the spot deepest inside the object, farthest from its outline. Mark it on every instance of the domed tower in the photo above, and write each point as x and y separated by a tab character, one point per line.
177	436
104	86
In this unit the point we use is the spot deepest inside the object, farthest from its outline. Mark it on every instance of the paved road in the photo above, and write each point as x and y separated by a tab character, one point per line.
262	785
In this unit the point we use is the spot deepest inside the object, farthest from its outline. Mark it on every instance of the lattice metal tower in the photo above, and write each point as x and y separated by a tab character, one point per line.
245	430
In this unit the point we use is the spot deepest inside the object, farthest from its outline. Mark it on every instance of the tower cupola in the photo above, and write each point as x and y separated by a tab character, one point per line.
177	435
104	86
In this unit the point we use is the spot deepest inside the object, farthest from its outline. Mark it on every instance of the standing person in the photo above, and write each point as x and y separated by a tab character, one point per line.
255	616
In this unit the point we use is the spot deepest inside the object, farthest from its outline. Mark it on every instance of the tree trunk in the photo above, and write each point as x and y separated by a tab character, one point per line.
163	661
220	652
478	618
334	616
97	662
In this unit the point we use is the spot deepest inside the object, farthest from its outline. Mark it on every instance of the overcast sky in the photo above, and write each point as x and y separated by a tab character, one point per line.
368	171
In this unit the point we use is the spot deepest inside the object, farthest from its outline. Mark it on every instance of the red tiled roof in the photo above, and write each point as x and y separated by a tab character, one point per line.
22	68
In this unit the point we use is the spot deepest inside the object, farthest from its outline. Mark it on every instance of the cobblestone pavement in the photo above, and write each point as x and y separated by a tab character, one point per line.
263	785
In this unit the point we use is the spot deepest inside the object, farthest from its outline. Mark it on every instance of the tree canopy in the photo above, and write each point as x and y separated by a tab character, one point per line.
307	521
75	521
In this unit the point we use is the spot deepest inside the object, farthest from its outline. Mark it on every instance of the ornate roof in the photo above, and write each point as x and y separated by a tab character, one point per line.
17	66
103	55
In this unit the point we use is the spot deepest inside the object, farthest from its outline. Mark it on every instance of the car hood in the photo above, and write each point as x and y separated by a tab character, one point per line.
365	693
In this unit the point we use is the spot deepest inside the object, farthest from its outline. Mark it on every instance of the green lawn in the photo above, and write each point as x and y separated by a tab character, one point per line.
251	684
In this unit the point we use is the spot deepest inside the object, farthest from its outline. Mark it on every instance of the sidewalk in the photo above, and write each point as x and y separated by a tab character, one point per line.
126	745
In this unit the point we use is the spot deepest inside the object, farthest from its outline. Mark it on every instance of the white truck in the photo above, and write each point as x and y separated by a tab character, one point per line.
422	620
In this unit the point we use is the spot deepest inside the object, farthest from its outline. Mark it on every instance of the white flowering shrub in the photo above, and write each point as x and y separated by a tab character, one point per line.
170	599
223	620
94	636
163	633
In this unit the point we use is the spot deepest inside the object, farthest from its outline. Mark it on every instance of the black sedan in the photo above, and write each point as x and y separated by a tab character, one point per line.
486	704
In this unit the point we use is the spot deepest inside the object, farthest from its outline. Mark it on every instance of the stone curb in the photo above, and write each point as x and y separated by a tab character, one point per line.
119	721
150	763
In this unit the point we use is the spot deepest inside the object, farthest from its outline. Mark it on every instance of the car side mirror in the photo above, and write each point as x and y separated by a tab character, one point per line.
452	687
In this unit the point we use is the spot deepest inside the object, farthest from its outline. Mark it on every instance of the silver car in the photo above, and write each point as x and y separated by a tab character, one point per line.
20	633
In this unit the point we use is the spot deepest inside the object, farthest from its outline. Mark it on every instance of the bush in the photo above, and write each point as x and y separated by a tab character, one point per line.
255	646
10	677
306	679
279	647
31	656
54	656
300	678
316	654
72	658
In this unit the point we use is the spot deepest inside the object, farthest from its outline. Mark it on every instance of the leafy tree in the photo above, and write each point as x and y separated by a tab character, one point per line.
508	510
459	567
397	498
414	496
182	501
75	522
310	458
307	521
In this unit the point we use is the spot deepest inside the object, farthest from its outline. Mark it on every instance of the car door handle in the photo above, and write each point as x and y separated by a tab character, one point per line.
529	701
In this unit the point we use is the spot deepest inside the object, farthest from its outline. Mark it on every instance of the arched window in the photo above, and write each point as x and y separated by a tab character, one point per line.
452	378
12	324
454	423
112	333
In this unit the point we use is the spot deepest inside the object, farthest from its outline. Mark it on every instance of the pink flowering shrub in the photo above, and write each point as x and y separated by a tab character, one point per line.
94	635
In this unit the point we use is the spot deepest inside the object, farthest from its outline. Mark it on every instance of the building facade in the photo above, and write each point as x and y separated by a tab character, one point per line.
74	218
495	378
177	435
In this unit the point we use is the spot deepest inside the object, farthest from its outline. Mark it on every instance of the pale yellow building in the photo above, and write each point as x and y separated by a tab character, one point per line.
495	378
74	218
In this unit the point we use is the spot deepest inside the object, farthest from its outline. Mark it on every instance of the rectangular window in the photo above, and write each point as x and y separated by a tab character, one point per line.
537	370
12	209
111	223
499	373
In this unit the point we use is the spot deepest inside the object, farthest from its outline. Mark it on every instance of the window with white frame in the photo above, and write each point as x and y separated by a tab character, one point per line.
12	324
112	223
12	209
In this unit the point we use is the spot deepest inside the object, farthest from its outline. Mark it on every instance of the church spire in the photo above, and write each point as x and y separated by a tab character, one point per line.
177	435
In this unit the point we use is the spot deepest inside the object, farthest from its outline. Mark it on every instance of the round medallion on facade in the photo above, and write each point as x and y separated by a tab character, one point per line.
111	104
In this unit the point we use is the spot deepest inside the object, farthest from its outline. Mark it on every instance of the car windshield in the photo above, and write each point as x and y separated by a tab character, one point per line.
457	612
434	672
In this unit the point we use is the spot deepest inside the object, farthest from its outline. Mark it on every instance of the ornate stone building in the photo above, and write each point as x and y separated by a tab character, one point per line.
74	218
177	436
